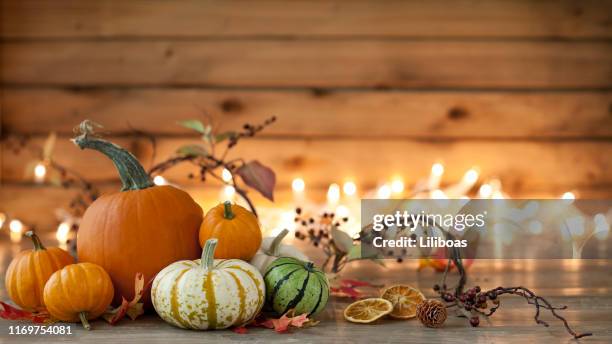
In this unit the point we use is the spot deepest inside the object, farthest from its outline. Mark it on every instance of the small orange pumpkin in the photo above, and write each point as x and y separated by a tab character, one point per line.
29	271
236	229
78	292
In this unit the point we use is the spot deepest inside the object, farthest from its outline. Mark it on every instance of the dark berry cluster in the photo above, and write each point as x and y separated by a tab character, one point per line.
317	229
474	300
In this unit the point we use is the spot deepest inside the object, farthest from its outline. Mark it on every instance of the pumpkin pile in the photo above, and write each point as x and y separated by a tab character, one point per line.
158	232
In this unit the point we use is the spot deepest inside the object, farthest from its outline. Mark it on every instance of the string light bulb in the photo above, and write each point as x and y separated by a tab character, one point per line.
298	185
397	186
159	180
384	191
333	193
62	233
349	188
226	175
40	170
437	169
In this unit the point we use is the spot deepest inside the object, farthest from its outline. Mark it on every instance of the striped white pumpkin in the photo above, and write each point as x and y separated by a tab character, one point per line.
208	293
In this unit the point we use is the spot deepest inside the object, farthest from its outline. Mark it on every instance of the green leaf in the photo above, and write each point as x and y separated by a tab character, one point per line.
224	136
48	146
192	150
342	240
259	177
194	124
354	253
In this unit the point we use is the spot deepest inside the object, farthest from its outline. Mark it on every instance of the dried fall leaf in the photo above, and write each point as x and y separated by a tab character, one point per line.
9	312
133	308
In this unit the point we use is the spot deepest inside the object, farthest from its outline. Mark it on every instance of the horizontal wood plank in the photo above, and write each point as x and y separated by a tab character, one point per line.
312	63
520	165
304	113
439	18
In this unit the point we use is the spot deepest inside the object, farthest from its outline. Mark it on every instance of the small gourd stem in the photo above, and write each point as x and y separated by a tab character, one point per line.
83	317
275	245
132	174
208	254
227	210
38	246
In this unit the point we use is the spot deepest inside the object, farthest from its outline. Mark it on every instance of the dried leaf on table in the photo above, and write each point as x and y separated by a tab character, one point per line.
285	322
133	308
259	177
9	312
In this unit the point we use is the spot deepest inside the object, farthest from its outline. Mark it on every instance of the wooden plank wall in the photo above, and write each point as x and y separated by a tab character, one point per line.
362	89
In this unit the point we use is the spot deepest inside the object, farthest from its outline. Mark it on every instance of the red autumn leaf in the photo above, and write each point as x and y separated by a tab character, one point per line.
285	322
259	177
240	330
346	291
9	312
132	308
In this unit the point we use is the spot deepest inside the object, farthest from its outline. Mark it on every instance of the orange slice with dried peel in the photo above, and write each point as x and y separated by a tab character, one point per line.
367	310
405	300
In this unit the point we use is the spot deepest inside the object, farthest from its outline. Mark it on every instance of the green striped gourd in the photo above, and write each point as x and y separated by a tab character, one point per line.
295	284
208	293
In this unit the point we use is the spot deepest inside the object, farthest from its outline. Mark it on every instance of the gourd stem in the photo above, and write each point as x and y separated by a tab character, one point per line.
227	210
208	253
275	245
83	317
38	246
132	174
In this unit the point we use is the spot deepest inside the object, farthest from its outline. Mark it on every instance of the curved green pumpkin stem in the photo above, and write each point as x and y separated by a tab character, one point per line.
275	245
83	317
38	245
208	254
227	210
132	174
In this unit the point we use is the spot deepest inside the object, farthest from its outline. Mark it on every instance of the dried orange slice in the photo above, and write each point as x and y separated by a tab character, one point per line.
368	310
405	300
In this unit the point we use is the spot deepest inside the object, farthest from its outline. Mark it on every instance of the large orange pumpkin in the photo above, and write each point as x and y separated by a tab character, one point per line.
78	292
29	271
143	228
236	229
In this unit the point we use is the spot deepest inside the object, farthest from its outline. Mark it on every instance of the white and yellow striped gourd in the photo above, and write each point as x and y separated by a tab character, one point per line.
208	293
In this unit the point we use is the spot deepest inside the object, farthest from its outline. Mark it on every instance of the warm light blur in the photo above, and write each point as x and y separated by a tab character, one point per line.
349	188
229	192
63	231
333	193
2	219
39	172
298	185
384	192
438	194
485	191
568	195
159	180
226	175
342	211
471	176
437	169
397	186
15	226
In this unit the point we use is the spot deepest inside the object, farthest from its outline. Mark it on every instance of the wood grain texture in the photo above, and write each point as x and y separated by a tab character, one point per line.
305	113
440	18
519	164
581	285
310	63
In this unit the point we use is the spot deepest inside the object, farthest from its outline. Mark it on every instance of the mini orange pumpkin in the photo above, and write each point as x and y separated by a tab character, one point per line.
78	292
29	271
236	229
142	229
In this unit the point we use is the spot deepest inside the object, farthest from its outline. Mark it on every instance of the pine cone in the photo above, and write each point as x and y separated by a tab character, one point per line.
432	313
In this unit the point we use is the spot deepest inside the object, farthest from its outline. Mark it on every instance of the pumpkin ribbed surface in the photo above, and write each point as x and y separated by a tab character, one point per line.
29	271
78	288
188	295
298	285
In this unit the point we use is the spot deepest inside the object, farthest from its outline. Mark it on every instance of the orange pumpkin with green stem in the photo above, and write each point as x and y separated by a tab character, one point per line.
236	229
143	228
29	271
78	292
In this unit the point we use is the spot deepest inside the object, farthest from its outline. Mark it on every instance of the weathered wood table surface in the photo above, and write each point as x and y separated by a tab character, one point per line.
584	286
